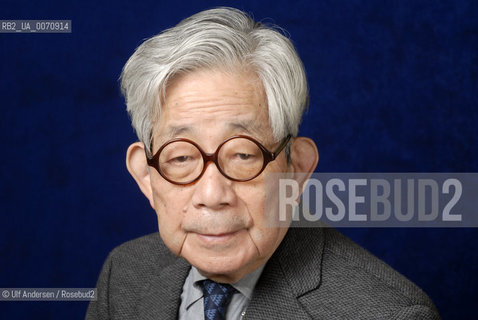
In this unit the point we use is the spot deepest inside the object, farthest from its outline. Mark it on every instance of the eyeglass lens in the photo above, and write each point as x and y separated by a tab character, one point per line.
238	158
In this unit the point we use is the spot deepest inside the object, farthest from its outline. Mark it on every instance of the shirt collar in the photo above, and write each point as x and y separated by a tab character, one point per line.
245	286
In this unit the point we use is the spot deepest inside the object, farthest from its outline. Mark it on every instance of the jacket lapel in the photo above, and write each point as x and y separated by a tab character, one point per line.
293	270
161	298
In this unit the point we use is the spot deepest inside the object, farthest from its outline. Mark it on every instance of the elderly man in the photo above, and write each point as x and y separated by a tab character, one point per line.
216	102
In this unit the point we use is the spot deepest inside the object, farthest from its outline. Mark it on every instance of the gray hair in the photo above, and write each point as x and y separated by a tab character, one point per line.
218	38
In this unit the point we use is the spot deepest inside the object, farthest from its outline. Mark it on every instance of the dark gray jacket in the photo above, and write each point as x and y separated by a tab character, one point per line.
314	274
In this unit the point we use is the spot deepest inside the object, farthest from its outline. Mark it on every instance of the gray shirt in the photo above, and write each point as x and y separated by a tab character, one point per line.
192	305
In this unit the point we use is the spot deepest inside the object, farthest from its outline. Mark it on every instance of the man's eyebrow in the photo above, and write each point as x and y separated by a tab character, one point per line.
249	126
175	131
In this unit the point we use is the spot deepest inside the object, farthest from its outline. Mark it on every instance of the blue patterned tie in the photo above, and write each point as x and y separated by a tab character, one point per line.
216	298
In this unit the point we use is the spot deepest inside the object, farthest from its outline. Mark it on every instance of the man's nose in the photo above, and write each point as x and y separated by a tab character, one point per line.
213	190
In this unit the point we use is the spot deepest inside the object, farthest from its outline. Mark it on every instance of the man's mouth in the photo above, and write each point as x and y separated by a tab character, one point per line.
216	238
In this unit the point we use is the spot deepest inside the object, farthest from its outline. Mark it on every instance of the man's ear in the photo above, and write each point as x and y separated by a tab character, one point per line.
303	159
138	168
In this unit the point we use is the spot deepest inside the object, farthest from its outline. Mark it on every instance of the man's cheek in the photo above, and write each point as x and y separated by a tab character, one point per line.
172	236
165	204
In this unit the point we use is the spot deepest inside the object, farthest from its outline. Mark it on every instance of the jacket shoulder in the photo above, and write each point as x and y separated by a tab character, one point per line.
127	271
362	286
142	253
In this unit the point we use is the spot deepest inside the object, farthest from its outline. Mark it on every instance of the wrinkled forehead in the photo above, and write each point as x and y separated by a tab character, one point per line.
236	79
213	100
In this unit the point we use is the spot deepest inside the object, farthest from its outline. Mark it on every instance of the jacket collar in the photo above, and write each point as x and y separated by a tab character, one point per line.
161	297
300	258
292	271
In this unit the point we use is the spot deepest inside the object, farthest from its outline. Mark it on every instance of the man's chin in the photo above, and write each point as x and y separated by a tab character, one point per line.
225	256
221	268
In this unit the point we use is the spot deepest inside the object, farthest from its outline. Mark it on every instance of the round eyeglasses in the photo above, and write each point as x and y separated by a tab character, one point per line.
238	158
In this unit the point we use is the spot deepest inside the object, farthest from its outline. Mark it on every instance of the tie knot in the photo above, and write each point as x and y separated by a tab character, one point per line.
216	299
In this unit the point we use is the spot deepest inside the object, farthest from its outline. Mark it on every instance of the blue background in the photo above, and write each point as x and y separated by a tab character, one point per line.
394	88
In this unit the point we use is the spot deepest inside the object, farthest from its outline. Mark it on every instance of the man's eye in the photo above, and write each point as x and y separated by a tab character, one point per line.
244	156
180	159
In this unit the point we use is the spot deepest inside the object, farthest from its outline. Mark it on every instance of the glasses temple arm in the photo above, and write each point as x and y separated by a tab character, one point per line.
281	146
